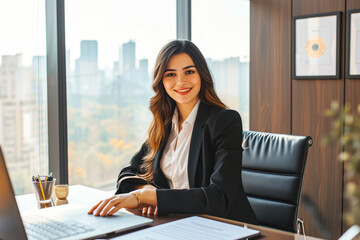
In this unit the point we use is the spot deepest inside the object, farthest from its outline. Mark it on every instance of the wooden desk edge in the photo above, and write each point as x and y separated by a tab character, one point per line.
265	232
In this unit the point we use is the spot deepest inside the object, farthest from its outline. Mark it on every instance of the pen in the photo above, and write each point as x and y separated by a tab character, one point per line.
45	183
42	190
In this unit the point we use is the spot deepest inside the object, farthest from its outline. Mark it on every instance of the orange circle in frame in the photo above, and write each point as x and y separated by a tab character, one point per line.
315	47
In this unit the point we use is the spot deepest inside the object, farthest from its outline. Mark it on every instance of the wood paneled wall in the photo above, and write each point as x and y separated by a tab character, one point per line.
324	172
323	178
284	105
270	103
352	86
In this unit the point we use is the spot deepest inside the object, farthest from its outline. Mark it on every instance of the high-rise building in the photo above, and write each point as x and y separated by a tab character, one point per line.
143	73
144	70
8	76
128	51
116	83
87	75
20	120
89	51
128	78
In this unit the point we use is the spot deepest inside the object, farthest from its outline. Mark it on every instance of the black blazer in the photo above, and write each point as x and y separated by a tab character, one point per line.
214	170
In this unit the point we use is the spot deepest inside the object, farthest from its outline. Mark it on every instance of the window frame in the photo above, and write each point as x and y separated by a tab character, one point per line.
56	87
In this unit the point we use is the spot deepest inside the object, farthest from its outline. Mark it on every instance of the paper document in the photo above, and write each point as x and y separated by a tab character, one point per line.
192	228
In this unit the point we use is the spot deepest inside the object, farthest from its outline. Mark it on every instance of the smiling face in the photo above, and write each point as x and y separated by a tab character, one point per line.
182	81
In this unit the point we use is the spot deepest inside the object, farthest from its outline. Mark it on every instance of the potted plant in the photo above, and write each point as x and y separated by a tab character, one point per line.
346	129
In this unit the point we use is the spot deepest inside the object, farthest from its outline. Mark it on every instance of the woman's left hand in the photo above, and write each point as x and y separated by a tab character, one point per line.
113	204
149	210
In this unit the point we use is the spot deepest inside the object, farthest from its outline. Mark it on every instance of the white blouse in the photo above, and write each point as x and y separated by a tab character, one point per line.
174	161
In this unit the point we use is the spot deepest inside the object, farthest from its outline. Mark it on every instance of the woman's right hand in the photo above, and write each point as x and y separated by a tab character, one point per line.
111	205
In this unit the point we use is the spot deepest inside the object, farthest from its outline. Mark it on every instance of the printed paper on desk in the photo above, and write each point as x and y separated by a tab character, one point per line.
192	228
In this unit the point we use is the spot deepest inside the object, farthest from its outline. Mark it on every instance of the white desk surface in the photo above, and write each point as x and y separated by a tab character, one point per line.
77	194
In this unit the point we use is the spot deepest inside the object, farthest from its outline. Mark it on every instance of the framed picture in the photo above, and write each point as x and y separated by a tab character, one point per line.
316	46
353	44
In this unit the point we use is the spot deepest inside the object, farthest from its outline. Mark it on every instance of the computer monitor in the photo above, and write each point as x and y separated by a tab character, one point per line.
11	226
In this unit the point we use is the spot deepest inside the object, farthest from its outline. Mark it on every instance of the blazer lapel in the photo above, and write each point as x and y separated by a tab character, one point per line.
196	141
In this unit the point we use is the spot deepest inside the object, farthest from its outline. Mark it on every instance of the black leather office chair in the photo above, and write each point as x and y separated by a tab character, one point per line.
273	170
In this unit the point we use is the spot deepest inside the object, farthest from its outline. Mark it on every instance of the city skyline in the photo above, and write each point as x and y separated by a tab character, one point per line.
126	65
103	111
88	78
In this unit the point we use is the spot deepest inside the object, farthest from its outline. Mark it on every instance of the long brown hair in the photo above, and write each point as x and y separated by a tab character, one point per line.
162	106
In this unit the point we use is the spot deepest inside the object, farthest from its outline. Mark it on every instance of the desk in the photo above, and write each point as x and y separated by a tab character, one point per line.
77	193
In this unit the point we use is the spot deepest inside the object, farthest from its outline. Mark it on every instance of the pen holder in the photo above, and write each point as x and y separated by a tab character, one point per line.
43	189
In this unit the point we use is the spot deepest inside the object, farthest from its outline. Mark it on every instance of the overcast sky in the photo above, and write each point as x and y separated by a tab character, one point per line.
220	28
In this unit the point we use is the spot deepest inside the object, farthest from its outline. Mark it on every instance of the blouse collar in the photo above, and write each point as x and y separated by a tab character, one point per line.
189	120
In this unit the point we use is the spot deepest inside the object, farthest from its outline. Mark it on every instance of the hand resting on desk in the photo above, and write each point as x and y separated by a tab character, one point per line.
144	199
149	210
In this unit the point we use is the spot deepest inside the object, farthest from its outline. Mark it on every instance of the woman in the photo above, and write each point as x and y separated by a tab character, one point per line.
191	161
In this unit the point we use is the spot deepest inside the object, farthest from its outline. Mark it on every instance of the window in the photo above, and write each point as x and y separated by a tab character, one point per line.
222	31
111	50
23	109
